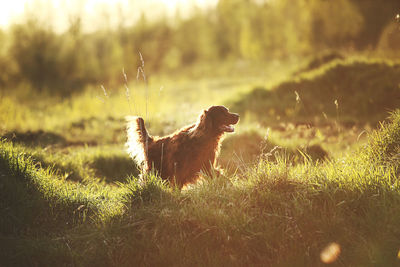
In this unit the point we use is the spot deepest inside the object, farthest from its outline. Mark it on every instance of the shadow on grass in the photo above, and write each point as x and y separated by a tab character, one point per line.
114	168
110	130
26	202
44	139
109	166
35	138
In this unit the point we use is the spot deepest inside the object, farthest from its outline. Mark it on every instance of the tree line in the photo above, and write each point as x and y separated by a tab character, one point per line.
33	54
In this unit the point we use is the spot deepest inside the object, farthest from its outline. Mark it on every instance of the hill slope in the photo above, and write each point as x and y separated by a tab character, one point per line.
348	91
269	214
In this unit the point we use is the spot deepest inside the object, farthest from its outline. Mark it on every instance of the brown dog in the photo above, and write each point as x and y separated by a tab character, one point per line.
181	156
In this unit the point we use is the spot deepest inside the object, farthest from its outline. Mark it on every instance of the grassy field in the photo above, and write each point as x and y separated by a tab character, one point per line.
312	172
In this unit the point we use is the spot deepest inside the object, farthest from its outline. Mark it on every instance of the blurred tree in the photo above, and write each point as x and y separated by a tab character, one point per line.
262	29
152	39
35	50
7	66
194	38
59	63
228	26
334	24
291	35
108	55
255	30
77	63
377	15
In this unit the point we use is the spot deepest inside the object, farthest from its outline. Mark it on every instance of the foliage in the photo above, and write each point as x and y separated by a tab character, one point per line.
33	54
45	60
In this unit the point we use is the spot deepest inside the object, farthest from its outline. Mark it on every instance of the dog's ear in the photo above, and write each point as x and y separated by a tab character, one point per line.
205	121
208	122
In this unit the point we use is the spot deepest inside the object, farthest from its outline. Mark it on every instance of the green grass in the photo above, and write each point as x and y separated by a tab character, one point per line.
248	146
85	164
271	214
72	197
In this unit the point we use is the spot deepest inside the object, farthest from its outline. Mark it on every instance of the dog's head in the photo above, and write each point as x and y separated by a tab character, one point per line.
218	119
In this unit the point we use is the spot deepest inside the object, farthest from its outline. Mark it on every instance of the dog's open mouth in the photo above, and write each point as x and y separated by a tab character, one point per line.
227	128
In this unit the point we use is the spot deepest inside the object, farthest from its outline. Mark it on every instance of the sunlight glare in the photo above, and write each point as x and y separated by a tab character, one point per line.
9	9
170	4
330	253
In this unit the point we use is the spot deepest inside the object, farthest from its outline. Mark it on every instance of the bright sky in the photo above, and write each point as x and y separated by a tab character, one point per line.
92	11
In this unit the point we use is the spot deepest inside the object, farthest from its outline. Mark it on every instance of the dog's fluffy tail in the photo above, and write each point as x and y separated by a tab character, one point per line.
138	140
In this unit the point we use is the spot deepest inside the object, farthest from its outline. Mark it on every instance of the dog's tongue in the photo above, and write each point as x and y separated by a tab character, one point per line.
228	128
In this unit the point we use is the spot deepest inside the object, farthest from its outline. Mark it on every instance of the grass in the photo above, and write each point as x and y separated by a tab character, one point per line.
352	91
248	145
272	214
71	196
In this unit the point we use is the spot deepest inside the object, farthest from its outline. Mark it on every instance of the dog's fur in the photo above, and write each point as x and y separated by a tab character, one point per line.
181	156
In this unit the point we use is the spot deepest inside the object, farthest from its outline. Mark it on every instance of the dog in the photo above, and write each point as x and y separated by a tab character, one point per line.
181	157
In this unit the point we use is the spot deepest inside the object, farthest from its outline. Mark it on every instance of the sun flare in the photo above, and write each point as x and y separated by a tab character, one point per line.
9	9
12	11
